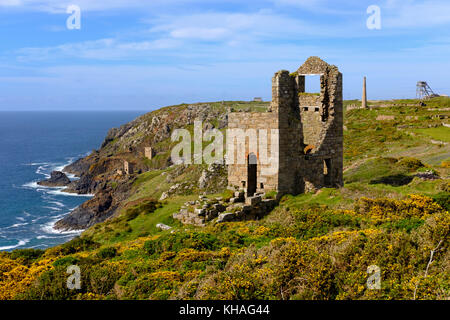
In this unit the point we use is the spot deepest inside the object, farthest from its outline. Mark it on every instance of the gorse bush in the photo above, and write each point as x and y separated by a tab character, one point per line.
106	253
79	244
412	164
178	241
66	261
26	255
443	199
414	206
313	253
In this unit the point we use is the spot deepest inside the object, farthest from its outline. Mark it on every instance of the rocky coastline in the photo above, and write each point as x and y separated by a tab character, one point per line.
101	172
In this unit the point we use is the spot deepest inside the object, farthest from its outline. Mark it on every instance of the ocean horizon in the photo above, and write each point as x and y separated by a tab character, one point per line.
32	145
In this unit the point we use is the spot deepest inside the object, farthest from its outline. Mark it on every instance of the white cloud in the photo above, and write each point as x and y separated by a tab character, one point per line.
257	26
10	3
102	49
415	14
232	34
200	33
59	6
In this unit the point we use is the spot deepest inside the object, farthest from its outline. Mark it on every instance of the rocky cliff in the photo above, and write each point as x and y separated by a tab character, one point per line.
101	173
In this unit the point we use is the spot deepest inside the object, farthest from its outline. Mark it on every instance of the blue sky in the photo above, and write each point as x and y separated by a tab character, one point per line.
141	55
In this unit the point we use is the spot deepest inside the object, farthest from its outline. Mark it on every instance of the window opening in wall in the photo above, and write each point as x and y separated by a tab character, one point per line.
312	83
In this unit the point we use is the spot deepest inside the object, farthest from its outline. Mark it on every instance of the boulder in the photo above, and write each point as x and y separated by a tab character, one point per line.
164	196
57	179
253	200
225	217
163	226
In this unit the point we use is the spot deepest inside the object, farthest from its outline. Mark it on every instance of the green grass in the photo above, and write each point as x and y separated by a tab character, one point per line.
141	224
439	133
372	169
328	197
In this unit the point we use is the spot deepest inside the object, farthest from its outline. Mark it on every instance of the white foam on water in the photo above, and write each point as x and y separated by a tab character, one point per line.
50	229
61	167
52	208
48	237
41	170
36	164
71	176
16	225
20	243
59	204
48	193
32	184
60	192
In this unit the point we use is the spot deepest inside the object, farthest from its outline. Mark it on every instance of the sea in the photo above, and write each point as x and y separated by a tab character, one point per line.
32	145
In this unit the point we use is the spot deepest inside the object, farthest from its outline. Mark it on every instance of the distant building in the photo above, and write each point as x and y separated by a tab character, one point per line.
127	167
148	152
258	99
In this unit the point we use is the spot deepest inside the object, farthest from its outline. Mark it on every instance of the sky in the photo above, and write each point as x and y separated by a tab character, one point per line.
142	55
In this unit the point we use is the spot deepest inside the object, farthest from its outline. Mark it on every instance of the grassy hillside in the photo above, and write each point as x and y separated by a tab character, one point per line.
392	212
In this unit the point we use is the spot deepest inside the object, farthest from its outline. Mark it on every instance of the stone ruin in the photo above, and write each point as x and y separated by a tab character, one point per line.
310	135
238	208
310	148
127	167
148	153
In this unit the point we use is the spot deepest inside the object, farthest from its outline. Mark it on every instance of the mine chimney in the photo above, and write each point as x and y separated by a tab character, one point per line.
364	95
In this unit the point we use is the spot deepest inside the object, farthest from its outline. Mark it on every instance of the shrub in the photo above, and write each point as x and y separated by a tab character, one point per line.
65	261
152	247
178	241
26	255
102	279
107	253
406	224
383	210
412	164
271	195
79	244
443	199
445	187
227	194
145	207
51	285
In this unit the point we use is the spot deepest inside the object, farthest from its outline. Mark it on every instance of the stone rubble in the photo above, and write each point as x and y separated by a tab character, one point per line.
218	210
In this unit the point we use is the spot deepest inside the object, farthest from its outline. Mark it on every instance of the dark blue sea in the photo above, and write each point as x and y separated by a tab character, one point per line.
32	144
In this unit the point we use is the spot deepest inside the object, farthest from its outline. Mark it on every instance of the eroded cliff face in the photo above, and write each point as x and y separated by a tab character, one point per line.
101	173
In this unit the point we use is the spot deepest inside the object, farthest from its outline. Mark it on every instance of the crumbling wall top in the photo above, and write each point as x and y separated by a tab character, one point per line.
315	65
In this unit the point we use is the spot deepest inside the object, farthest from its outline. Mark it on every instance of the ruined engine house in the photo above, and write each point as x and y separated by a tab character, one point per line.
309	126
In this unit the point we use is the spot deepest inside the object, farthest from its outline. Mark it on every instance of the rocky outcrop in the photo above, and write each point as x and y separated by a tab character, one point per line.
57	179
104	167
81	166
89	213
212	177
101	207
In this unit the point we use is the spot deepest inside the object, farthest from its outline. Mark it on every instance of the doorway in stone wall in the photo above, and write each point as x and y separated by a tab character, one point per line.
251	174
327	172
